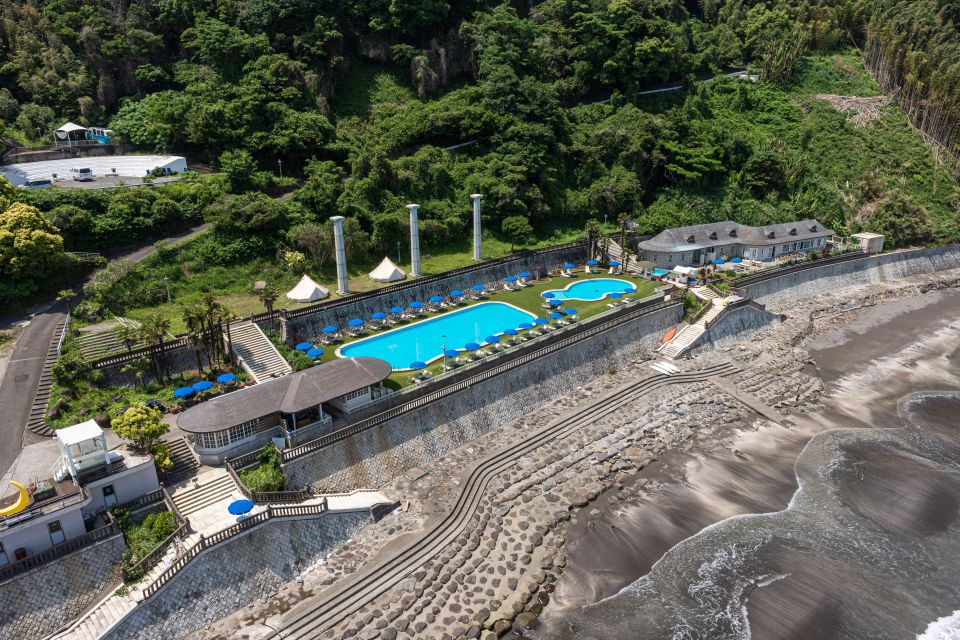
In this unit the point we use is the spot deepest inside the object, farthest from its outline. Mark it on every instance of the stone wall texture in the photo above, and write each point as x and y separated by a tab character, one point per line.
41	601
870	269
377	456
732	325
234	574
178	361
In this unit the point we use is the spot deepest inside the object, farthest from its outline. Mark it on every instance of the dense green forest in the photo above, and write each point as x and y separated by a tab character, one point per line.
358	101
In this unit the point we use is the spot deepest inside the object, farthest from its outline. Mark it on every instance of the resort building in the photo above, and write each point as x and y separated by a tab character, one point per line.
699	245
66	500
292	409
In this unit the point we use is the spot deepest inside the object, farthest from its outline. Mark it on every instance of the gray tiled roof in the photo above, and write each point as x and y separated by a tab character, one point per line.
718	234
291	393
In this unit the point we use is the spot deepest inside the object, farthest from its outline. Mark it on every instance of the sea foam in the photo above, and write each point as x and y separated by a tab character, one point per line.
945	628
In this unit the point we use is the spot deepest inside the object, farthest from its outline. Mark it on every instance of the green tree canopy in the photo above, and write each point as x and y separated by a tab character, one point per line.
141	425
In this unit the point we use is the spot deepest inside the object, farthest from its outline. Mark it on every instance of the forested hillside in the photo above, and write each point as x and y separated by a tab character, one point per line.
359	99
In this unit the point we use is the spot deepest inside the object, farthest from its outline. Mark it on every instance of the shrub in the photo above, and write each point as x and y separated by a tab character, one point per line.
144	536
268	476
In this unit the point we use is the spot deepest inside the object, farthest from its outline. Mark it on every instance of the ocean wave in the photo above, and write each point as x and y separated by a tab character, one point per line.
945	628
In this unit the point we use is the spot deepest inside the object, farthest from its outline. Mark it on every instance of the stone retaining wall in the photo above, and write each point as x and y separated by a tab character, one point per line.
234	574
179	360
731	326
375	457
308	327
41	601
871	269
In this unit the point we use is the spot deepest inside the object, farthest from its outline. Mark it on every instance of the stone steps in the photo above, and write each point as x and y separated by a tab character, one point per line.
174	552
686	336
185	464
256	353
99	619
190	499
36	422
705	293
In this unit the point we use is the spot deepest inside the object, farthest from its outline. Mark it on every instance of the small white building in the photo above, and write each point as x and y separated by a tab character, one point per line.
869	242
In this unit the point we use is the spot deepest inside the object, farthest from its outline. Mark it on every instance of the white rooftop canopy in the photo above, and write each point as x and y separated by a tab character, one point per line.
70	127
387	271
307	291
79	433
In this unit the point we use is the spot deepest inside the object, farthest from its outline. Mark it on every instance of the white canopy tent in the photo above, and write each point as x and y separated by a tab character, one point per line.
63	134
307	291
387	271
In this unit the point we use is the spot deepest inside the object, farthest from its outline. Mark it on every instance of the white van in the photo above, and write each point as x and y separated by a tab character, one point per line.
81	174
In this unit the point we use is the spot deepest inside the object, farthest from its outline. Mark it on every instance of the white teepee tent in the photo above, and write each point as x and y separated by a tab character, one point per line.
307	291
387	272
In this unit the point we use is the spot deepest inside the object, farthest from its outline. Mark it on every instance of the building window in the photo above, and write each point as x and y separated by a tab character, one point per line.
56	532
243	431
109	496
359	393
220	439
3	556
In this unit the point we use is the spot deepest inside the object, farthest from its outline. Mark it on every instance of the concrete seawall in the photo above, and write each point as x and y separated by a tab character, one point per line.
377	456
870	269
731	326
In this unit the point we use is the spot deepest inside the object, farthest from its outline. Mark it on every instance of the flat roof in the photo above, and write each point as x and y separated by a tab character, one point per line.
867	235
79	432
289	394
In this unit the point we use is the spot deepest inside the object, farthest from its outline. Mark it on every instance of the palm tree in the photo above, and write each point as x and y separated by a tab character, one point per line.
625	253
66	295
138	367
194	334
127	336
268	295
154	332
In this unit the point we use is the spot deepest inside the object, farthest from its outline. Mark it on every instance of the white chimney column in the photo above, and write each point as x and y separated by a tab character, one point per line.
476	225
414	240
343	285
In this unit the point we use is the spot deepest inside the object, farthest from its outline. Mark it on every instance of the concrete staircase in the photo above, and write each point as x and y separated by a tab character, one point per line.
208	489
705	293
36	421
96	621
101	344
686	336
185	464
256	353
616	253
175	551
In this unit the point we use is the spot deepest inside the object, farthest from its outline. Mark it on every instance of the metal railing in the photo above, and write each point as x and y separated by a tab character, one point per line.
205	543
138	570
263	497
59	551
44	507
776	272
523	355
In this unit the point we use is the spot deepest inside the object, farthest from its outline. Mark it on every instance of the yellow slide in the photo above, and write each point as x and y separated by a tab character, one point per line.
23	500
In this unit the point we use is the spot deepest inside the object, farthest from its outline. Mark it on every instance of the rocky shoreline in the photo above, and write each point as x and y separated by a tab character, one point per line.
498	576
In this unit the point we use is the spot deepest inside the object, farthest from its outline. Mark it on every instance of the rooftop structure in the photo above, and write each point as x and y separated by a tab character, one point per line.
699	245
133	166
288	408
869	242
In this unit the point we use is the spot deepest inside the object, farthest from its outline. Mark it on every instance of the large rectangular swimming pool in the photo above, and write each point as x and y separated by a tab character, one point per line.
424	341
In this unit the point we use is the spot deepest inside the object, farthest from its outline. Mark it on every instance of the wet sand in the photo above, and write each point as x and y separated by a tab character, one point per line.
808	590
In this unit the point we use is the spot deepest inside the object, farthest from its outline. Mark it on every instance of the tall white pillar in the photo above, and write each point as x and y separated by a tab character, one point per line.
476	225
343	286
414	240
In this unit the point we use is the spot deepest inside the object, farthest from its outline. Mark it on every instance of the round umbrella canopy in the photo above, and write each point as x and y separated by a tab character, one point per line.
415	305
492	339
548	295
329	329
569	265
419	364
304	346
556	316
629	289
510	332
616	295
456	293
556	303
378	315
736	260
436	298
540	321
592	263
240	507
510	279
355	322
614	263
524	274
525	325
224	378
396	310
316	352
183	392
719	261
570	312
478	287
203	385
451	353
471	346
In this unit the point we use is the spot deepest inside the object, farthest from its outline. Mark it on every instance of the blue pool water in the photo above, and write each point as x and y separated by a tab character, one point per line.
590	290
424	340
660	272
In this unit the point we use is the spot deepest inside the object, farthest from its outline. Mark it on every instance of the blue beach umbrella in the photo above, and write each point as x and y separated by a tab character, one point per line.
491	339
525	325
629	289
592	263
510	332
556	303
478	287
719	261
419	364
329	329
616	295
378	315
415	305
202	385
524	274
510	279
614	263
316	352
451	353
436	298
303	346
183	392
456	293
355	322
570	312
540	321
396	310
556	316
225	378
240	507
569	265
471	346
548	295
736	260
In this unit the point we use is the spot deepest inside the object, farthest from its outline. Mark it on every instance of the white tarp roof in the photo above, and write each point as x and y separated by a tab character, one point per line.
69	127
79	432
688	271
307	291
387	271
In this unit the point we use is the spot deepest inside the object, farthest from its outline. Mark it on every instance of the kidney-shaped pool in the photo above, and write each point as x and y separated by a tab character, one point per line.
424	341
591	290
